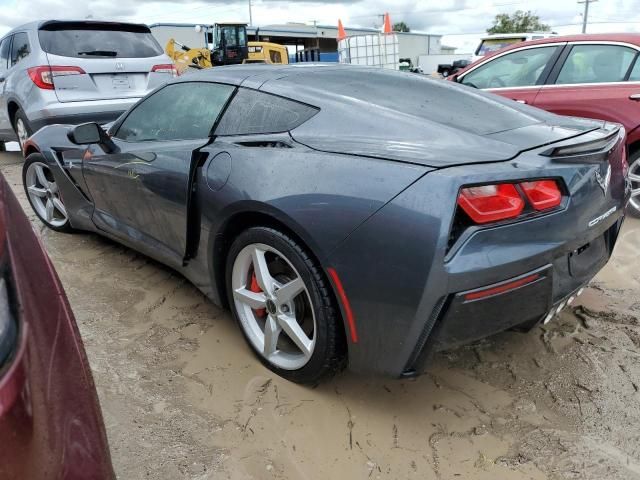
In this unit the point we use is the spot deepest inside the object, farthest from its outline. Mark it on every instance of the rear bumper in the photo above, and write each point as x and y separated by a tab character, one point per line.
526	299
73	113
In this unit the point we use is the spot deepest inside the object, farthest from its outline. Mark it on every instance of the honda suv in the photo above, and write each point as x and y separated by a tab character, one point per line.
75	72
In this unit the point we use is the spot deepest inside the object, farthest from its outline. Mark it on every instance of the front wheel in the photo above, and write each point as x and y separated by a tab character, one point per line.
43	193
634	177
283	304
3	147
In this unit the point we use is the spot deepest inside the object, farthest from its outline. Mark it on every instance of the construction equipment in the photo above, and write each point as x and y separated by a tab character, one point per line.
185	57
229	47
266	52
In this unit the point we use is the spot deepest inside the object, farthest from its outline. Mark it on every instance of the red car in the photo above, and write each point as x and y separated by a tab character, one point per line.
50	421
594	76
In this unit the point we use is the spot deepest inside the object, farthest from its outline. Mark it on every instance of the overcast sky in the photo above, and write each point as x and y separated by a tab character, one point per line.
462	21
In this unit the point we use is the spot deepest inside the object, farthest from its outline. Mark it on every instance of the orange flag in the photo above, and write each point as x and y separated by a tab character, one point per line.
387	24
341	33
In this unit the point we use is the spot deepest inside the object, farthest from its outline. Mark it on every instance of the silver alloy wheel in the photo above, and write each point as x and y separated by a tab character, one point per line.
44	194
21	131
634	177
278	320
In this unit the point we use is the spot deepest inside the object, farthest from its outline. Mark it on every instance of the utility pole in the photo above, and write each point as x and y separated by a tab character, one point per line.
251	17
585	15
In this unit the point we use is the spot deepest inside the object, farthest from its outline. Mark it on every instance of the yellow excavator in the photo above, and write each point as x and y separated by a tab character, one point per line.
230	47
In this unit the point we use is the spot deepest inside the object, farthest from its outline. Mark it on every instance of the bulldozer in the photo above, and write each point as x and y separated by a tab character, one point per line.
230	47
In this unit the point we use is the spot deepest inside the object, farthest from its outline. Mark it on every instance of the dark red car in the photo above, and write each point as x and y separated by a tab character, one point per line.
594	76
50	421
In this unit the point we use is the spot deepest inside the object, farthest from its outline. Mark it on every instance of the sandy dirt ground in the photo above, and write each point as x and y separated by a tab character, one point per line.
183	397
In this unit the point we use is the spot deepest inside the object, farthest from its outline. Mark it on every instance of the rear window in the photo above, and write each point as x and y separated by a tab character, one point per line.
253	112
91	40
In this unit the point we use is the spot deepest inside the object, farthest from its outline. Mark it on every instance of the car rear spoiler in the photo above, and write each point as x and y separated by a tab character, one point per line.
595	143
53	25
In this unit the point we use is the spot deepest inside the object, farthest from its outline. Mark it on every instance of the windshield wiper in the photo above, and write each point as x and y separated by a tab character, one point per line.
100	53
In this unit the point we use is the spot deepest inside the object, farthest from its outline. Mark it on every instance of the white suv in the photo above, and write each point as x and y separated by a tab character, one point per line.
75	72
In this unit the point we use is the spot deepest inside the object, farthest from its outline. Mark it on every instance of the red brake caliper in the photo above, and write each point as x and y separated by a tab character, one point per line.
254	287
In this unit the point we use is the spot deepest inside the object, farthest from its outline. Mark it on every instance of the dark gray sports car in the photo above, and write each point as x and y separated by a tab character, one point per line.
347	216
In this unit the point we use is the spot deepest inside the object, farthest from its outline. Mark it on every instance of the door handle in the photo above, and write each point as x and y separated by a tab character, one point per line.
519	101
635	96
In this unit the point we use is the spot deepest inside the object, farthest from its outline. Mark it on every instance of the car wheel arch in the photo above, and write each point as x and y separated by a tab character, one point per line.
12	108
223	237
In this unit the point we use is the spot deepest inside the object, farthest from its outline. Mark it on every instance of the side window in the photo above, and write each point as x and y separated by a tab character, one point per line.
180	111
20	48
596	64
252	112
518	69
4	53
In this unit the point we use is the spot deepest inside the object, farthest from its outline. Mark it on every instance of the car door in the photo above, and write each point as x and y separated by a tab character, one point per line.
516	74
595	80
141	190
5	123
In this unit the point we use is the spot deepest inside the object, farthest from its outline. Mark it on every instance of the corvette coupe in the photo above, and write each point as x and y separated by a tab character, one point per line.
348	216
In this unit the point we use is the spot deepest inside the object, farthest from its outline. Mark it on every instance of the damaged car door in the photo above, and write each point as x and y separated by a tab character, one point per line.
141	188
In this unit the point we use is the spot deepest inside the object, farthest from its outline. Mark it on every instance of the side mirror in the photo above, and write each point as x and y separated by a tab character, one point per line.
86	134
89	134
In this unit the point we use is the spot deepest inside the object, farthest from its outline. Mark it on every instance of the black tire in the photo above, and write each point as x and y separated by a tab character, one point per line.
445	73
21	117
3	147
30	160
634	168
329	354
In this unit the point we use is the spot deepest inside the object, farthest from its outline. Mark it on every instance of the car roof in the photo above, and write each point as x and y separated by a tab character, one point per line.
254	75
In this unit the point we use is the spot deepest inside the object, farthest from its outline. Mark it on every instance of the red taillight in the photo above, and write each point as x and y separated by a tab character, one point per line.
491	203
165	68
43	76
542	194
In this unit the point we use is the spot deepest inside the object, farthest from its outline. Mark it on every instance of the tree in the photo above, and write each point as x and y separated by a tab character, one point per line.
401	27
518	22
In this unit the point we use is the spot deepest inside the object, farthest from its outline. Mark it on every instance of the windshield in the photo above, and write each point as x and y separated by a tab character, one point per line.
495	44
234	36
94	41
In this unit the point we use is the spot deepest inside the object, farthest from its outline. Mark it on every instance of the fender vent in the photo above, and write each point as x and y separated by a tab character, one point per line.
265	144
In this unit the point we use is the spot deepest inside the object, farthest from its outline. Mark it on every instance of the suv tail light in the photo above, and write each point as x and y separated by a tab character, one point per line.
490	203
43	76
504	201
168	68
542	194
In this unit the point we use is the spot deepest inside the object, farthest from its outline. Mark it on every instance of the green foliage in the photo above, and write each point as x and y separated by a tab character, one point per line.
518	22
401	27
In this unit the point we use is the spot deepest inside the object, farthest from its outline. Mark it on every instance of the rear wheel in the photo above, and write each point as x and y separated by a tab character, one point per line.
3	147
22	128
634	177
283	304
43	193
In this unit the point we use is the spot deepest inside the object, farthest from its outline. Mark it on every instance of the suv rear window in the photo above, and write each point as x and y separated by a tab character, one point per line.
96	40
